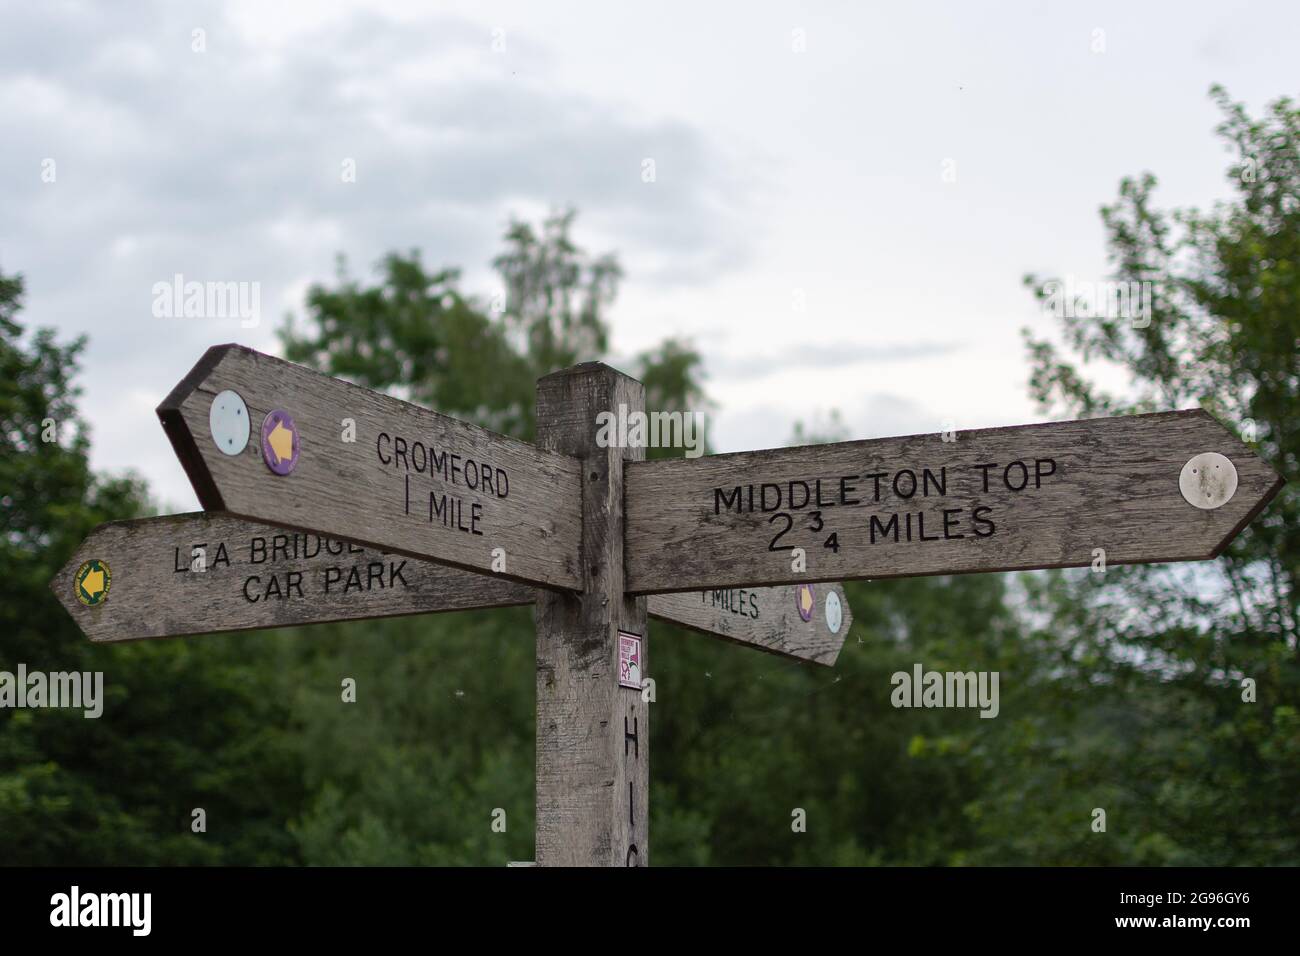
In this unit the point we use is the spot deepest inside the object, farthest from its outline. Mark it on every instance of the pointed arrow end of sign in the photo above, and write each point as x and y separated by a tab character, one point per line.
184	442
201	370
1258	482
93	585
1273	487
831	619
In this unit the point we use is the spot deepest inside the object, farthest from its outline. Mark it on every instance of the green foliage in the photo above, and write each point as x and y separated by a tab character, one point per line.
742	739
1152	660
413	331
556	297
185	724
440	736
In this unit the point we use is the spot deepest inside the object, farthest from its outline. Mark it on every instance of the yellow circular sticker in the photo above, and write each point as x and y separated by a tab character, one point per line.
91	582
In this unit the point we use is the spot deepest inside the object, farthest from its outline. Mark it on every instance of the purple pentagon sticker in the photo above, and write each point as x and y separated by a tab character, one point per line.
805	600
279	442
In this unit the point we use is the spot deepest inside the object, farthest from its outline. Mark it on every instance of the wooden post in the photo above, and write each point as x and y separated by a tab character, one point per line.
593	735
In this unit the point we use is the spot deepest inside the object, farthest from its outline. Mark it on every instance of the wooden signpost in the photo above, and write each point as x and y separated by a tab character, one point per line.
804	621
999	499
291	465
208	573
326	456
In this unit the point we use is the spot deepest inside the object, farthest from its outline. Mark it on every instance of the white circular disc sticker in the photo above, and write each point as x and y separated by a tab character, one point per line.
1208	481
228	419
834	613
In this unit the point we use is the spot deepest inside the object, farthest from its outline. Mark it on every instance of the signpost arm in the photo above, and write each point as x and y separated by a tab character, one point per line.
593	735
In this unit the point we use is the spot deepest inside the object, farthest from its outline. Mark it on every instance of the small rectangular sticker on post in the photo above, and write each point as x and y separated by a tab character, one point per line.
629	660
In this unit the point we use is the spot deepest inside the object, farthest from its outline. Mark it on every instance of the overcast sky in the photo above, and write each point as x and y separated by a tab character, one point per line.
799	229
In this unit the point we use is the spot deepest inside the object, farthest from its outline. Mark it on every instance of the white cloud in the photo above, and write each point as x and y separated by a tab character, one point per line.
227	165
817	172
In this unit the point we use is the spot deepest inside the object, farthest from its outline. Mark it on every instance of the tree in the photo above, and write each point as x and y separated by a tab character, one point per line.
556	296
1151	662
184	726
416	333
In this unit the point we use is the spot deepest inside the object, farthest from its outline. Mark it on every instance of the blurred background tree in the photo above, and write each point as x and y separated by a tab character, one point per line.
186	724
1150	662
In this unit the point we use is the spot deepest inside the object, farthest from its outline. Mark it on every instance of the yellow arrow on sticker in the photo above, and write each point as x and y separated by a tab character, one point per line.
805	602
93	583
281	442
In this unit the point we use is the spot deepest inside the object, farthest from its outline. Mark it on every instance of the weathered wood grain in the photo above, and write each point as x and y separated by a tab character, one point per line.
1109	484
259	576
765	618
593	736
256	576
360	491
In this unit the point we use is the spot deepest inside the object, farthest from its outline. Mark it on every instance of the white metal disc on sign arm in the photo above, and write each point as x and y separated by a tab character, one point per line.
1208	480
834	613
228	419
